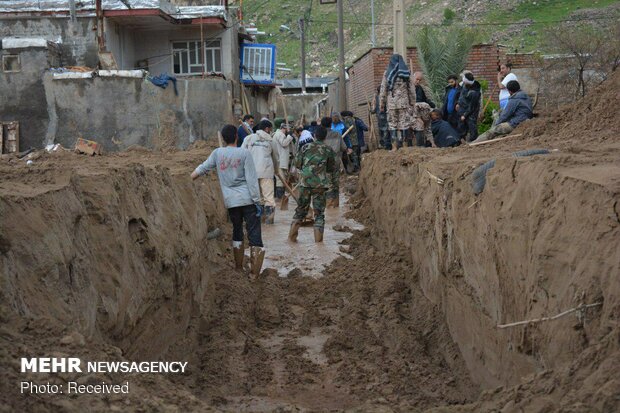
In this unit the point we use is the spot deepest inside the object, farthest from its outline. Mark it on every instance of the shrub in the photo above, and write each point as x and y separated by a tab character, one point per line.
487	117
448	15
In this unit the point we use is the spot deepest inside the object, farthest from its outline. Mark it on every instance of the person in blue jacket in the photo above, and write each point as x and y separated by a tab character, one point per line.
517	110
245	129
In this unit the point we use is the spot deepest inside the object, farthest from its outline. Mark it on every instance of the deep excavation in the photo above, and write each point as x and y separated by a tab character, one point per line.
118	257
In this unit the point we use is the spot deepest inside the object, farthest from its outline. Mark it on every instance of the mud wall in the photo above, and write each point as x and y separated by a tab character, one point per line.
120	112
506	255
119	254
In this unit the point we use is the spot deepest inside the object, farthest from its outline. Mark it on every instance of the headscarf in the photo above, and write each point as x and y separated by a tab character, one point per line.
396	68
305	138
467	81
464	80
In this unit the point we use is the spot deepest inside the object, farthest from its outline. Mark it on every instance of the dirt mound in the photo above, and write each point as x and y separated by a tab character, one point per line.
110	258
590	120
542	238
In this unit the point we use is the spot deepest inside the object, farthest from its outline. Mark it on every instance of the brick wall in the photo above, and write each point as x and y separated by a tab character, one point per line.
524	60
484	61
367	72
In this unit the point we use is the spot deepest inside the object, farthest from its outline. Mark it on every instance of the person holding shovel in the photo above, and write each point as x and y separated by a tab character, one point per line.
239	183
284	144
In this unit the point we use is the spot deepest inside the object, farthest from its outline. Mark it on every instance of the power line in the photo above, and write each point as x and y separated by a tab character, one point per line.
354	13
519	23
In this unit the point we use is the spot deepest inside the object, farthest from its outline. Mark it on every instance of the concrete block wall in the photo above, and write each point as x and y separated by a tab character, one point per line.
79	42
22	96
120	112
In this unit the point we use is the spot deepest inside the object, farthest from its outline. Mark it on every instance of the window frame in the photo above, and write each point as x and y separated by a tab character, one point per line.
19	63
262	68
209	50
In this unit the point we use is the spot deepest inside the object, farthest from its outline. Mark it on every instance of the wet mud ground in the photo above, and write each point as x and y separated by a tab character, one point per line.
325	330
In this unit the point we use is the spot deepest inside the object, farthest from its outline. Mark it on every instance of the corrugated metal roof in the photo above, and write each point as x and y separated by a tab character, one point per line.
178	12
312	82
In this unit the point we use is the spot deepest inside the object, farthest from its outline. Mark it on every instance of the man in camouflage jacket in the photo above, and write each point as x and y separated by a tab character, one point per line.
315	163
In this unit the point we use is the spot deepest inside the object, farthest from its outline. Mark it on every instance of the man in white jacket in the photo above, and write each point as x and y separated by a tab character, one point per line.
284	144
265	155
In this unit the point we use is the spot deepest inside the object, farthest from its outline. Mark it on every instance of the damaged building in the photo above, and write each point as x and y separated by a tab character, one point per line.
122	72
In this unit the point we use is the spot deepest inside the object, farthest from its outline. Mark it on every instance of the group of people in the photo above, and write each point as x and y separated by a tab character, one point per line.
404	111
264	162
257	164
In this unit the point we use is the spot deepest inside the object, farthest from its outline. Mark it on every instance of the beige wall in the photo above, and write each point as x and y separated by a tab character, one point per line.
130	46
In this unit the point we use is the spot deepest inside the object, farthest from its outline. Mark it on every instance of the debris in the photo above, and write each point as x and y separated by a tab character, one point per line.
437	179
495	140
214	234
54	148
342	228
9	137
555	317
25	153
88	147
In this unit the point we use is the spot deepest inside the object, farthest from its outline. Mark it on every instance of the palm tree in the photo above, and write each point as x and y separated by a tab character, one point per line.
441	52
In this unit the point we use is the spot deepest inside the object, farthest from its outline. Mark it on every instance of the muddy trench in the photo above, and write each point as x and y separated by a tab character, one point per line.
119	258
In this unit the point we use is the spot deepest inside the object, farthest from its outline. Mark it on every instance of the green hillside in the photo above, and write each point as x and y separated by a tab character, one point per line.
519	24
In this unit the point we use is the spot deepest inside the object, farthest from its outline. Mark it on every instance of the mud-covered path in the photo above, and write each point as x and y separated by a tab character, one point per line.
357	334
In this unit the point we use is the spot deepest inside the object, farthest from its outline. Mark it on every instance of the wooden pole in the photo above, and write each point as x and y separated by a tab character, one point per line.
286	185
555	317
284	108
203	50
495	140
373	134
348	130
481	115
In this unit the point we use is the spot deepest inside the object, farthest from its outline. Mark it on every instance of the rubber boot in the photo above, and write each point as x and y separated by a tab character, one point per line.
270	213
257	256
238	252
394	139
318	234
284	203
292	235
420	139
279	192
333	202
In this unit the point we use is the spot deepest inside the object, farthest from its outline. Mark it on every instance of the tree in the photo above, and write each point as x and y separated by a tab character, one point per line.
583	47
442	52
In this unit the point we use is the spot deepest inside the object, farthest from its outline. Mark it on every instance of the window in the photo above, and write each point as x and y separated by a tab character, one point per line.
11	63
258	62
187	58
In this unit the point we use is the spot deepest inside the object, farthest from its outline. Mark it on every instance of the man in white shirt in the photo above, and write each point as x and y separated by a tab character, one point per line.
504	76
265	156
284	144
